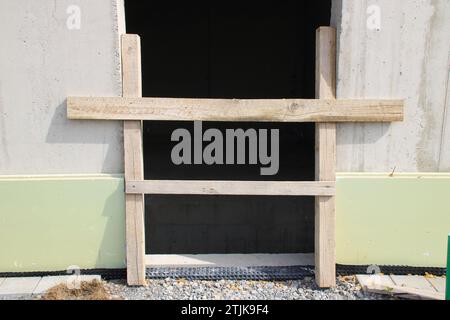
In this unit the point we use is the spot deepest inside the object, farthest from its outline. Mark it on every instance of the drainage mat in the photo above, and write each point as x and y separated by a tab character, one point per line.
232	273
238	273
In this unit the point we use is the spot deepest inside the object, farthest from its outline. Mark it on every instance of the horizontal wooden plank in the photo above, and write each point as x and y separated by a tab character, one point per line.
256	188
274	110
438	283
416	282
386	285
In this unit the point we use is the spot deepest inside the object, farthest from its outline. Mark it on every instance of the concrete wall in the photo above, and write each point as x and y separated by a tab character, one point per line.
408	58
41	63
383	218
52	222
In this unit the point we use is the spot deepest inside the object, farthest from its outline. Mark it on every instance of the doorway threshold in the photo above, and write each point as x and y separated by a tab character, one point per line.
228	260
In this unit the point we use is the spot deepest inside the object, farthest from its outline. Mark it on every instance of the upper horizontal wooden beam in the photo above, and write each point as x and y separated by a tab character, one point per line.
273	110
255	188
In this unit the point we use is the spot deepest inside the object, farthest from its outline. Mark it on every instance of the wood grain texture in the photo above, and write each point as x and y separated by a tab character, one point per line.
134	168
325	247
408	287
274	110
260	188
417	282
438	283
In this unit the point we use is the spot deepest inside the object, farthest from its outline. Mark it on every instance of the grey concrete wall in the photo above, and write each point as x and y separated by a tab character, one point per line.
408	57
41	63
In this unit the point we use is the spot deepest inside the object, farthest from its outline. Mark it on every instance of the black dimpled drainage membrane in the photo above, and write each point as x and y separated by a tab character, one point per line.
232	273
345	270
106	274
238	273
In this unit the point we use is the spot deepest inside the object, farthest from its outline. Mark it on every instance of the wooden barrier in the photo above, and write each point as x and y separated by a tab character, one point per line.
325	110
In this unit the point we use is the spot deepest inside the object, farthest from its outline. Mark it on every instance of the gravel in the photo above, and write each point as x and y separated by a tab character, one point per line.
173	289
181	289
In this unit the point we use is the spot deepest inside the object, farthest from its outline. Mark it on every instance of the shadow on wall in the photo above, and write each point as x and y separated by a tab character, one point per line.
114	227
369	133
88	132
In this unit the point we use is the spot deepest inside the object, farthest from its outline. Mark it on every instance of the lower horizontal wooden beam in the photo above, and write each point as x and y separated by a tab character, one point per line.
273	110
252	188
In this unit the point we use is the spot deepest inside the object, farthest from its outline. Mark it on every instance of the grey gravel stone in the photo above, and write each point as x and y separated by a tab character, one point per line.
169	289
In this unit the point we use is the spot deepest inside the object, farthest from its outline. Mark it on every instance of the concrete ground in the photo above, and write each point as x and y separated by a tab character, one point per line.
29	287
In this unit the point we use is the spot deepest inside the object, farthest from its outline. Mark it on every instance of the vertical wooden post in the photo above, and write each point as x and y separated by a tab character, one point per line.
134	168
325	256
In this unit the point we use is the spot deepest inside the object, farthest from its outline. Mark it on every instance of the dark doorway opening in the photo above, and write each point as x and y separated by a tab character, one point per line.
228	51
